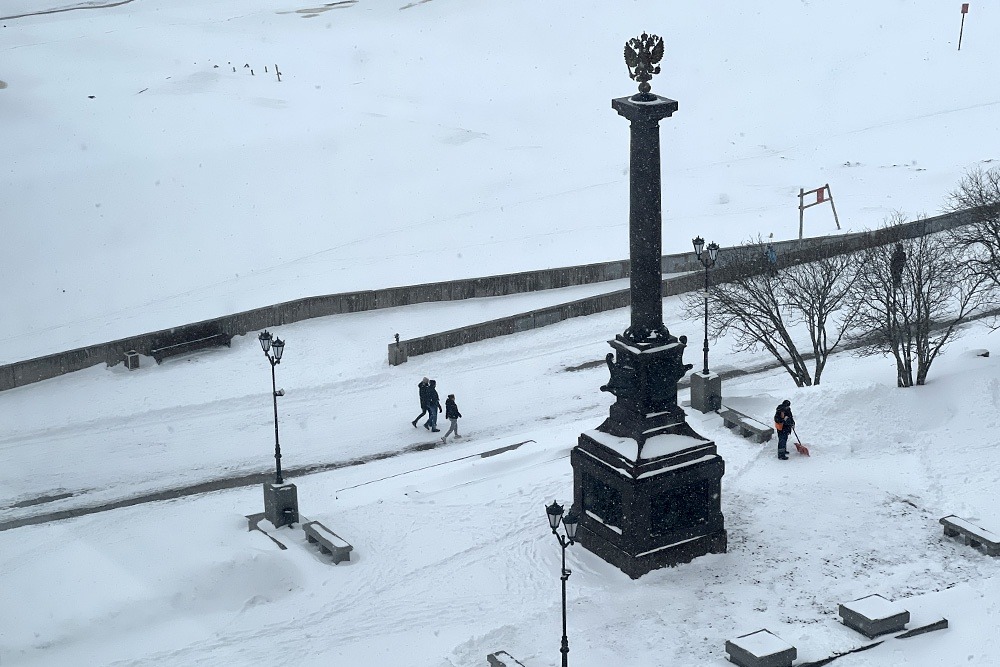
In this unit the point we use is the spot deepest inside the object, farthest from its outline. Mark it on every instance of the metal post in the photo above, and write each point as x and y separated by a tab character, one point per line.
277	446
565	575
802	194
832	206
705	372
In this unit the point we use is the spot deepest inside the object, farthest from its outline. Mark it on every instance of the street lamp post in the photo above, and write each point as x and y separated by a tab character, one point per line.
569	522
281	503
708	261
273	349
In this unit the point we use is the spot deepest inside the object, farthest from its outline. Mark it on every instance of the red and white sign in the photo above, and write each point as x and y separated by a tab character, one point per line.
821	195
965	8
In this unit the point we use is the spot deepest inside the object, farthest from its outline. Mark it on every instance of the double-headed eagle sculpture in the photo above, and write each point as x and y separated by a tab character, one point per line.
642	54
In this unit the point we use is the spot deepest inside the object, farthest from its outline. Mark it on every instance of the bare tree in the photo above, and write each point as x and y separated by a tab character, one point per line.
762	305
978	195
912	297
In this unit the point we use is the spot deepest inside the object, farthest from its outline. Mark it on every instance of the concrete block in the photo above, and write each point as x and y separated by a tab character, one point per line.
706	392
281	504
873	615
397	353
760	649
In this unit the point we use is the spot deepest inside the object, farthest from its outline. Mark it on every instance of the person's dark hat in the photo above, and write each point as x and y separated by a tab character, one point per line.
786	403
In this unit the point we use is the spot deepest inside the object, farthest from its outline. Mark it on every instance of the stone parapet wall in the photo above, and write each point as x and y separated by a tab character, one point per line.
791	252
41	368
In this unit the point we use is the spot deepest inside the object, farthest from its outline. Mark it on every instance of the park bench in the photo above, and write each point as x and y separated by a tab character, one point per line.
974	536
746	426
329	542
730	418
190	345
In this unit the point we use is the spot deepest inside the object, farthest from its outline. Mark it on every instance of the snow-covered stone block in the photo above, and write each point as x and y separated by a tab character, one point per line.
502	659
760	649
874	615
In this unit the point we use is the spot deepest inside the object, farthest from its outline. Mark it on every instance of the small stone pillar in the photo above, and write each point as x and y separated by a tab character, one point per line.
281	504
132	360
874	615
397	352
760	649
706	392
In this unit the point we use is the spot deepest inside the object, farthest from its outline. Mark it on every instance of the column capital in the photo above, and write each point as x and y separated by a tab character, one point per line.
650	109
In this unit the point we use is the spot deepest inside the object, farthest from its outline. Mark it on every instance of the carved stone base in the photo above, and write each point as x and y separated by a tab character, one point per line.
644	379
641	514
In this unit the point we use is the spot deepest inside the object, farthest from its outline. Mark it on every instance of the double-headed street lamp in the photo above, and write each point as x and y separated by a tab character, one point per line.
707	260
569	522
273	348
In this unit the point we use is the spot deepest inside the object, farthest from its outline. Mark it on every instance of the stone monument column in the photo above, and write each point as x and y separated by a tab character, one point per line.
646	486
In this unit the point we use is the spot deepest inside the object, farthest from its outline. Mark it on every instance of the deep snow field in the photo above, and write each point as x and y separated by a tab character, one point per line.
145	184
408	143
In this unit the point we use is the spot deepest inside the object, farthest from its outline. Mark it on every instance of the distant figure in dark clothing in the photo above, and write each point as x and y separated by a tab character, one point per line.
896	265
784	422
422	387
452	414
433	407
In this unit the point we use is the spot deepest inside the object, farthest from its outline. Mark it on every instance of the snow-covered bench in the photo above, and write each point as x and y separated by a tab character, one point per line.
184	346
974	536
329	542
746	426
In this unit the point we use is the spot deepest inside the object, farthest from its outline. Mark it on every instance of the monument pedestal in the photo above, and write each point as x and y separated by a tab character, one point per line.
660	510
646	486
706	392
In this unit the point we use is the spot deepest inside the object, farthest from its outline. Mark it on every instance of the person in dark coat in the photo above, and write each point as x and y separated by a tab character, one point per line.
452	414
896	265
433	407
784	422
422	388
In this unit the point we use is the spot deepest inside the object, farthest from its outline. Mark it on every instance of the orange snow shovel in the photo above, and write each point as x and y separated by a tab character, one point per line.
799	447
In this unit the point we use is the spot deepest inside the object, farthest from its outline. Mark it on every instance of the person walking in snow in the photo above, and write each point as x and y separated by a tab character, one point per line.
784	422
452	414
422	388
433	407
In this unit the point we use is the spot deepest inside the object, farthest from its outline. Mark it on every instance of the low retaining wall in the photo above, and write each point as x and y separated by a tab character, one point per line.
41	368
790	252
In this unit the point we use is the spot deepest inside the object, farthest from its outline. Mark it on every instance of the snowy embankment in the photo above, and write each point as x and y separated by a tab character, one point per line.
454	561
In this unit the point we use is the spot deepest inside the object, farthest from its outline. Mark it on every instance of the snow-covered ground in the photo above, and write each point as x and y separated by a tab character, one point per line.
408	143
455	561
